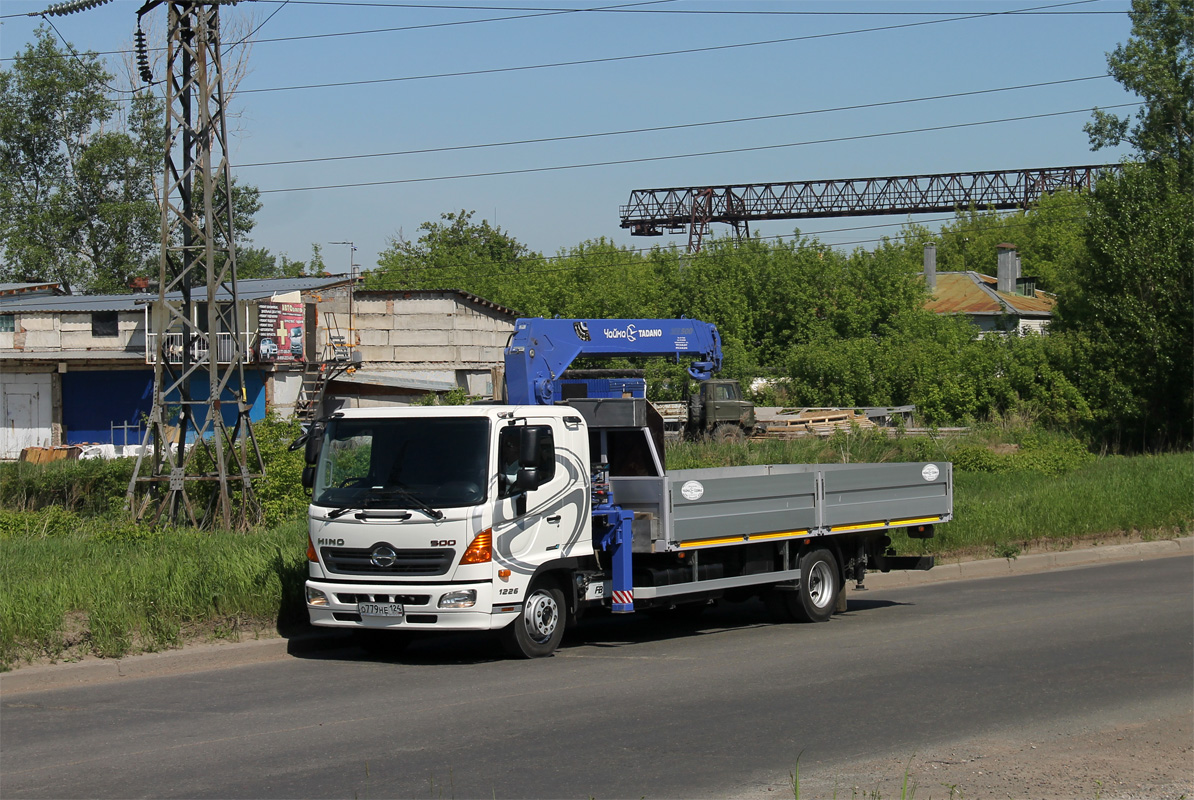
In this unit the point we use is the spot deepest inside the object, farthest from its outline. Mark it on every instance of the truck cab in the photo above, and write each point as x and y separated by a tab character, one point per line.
717	408
450	518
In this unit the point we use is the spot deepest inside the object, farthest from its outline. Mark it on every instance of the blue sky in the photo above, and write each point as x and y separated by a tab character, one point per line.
944	47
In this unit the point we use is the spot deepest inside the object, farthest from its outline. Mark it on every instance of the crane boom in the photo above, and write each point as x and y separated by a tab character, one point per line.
541	349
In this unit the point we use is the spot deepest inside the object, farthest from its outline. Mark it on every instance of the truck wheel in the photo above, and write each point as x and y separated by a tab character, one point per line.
728	433
816	597
538	629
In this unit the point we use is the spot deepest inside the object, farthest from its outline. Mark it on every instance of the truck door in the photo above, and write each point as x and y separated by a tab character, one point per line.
534	526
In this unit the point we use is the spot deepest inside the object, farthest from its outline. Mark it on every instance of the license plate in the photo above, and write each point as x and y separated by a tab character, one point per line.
380	609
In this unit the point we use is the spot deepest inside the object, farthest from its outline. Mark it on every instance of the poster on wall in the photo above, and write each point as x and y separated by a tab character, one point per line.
280	332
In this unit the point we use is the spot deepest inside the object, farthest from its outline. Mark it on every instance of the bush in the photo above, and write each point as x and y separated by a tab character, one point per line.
90	486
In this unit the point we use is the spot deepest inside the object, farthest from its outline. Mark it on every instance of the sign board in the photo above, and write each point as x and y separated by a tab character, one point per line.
280	332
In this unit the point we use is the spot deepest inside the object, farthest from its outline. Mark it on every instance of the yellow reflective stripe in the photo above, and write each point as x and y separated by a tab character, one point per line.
862	527
867	525
741	539
918	521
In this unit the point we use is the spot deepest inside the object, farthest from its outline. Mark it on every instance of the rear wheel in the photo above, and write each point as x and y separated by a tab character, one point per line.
538	629
816	597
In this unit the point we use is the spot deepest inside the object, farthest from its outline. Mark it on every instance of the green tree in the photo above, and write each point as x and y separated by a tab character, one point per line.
1133	308
76	201
454	253
1156	63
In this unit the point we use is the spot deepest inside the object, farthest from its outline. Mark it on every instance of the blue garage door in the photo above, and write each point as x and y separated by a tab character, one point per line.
94	402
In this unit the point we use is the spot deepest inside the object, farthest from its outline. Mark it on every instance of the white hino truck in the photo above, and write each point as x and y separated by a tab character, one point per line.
524	516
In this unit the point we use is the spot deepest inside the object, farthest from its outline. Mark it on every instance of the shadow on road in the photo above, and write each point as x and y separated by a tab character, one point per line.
599	629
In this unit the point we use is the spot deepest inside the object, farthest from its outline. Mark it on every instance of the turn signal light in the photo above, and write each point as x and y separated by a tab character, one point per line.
311	554
481	549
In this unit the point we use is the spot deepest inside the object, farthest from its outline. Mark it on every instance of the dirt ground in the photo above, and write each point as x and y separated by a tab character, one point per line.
1151	760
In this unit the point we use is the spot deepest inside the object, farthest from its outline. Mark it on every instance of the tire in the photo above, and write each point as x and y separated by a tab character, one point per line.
537	631
728	433
381	643
816	598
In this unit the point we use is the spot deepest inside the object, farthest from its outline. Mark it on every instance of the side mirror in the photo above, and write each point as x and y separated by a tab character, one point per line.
536	446
529	478
308	477
314	444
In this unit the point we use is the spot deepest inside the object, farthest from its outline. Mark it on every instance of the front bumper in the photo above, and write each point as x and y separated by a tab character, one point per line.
420	603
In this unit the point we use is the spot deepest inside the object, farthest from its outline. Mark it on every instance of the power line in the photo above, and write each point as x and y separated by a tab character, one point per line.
614	59
659	12
670	11
727	151
658	128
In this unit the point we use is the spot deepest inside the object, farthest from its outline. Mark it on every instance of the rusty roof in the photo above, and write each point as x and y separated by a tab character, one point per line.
975	293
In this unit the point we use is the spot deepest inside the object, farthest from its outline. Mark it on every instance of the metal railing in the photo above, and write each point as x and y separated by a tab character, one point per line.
175	343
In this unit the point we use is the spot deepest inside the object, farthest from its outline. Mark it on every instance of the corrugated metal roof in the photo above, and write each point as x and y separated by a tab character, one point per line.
975	293
73	355
247	290
26	288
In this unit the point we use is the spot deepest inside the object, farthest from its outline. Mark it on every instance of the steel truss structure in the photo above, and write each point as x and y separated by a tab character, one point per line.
193	457
651	211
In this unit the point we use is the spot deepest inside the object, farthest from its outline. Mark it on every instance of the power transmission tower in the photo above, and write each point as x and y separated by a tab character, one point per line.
199	459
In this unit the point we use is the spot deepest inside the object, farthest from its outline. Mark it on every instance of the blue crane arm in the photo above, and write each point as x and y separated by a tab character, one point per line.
541	349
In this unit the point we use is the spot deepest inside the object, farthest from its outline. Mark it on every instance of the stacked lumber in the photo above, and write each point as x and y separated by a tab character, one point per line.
791	423
45	455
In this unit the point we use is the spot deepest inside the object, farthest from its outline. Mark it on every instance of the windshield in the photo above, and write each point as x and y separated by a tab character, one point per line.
403	463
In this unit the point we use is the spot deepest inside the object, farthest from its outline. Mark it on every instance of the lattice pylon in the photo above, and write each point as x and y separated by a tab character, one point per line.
201	457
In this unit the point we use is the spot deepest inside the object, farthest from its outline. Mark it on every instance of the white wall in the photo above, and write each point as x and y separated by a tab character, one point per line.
25	412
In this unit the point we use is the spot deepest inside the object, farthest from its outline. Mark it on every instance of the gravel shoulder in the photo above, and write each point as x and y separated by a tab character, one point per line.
1151	759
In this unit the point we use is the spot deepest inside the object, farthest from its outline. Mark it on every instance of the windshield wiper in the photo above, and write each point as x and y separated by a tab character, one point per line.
415	503
339	512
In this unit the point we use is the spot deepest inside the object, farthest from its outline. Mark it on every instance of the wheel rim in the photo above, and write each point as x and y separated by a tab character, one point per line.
820	584
541	615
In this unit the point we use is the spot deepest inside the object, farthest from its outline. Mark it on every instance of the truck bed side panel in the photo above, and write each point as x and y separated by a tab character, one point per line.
857	494
731	505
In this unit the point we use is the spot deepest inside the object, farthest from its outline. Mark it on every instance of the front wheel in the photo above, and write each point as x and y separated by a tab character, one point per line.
539	628
728	433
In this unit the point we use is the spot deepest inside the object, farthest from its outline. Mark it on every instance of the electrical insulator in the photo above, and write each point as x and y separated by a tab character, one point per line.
61	9
142	56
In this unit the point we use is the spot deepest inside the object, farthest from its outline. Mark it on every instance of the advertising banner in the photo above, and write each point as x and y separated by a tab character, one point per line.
280	332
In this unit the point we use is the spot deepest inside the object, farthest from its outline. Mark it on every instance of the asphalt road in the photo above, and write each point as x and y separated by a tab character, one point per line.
629	707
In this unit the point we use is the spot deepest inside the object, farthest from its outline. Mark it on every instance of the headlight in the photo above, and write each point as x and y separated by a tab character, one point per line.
464	599
316	597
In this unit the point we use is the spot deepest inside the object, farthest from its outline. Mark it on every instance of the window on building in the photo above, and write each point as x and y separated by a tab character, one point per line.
8	323
105	323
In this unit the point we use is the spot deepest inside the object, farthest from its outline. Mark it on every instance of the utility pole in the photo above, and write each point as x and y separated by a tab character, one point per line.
194	455
352	290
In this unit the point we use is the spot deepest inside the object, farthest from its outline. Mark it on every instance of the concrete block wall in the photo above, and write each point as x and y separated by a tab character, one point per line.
423	330
72	331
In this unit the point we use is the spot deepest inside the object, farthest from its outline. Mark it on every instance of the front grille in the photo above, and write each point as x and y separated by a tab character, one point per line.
405	599
356	561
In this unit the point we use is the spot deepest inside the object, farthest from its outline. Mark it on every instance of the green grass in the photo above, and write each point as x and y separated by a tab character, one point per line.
79	593
1002	513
